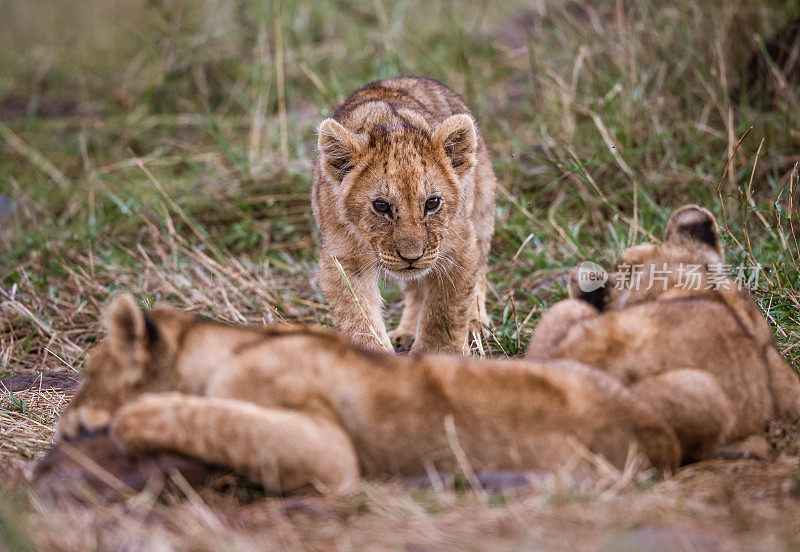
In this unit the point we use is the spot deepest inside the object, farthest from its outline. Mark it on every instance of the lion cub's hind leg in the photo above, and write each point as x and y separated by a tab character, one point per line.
285	450
693	403
403	336
554	325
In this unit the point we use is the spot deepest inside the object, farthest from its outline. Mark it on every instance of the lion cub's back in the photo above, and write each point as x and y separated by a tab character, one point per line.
427	97
655	337
507	415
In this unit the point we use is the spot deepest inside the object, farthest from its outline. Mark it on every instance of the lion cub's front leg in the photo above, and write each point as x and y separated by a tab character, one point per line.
361	321
445	315
286	450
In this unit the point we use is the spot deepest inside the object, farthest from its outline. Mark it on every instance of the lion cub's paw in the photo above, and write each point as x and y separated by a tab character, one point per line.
402	340
141	424
753	447
478	328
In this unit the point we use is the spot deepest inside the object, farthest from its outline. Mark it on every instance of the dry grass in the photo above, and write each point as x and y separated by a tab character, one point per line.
28	419
165	148
715	506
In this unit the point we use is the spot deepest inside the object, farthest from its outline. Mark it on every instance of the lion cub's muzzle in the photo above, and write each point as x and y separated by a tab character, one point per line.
83	422
405	266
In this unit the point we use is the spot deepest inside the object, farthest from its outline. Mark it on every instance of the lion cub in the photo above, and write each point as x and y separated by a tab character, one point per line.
291	406
403	187
681	334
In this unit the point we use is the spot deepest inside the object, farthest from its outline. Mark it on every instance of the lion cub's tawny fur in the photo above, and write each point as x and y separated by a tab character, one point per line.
292	406
403	187
682	335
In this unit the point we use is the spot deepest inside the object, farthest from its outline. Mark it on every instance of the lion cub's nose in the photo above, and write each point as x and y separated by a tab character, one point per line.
409	257
410	248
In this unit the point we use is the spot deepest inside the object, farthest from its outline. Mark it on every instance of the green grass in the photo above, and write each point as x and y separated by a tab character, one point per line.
166	148
195	94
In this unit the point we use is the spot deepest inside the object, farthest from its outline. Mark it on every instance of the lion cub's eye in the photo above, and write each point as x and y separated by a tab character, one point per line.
432	204
380	206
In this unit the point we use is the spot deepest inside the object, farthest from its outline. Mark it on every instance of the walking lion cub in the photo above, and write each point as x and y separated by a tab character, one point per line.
294	406
682	335
403	187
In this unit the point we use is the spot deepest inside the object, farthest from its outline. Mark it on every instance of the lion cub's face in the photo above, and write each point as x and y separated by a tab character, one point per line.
689	261
400	187
136	357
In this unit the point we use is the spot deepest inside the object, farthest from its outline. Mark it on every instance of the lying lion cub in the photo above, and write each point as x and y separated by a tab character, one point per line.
293	406
403	188
686	338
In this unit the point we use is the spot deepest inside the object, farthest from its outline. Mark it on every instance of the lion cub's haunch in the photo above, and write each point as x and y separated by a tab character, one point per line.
683	336
292	406
403	187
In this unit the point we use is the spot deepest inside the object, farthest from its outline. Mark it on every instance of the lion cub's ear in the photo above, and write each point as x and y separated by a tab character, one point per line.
693	223
596	296
338	147
460	142
130	332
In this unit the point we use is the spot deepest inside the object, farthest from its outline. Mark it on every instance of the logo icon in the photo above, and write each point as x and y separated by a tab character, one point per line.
591	276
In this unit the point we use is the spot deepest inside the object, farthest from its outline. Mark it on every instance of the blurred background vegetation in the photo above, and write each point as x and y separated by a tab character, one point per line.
165	147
